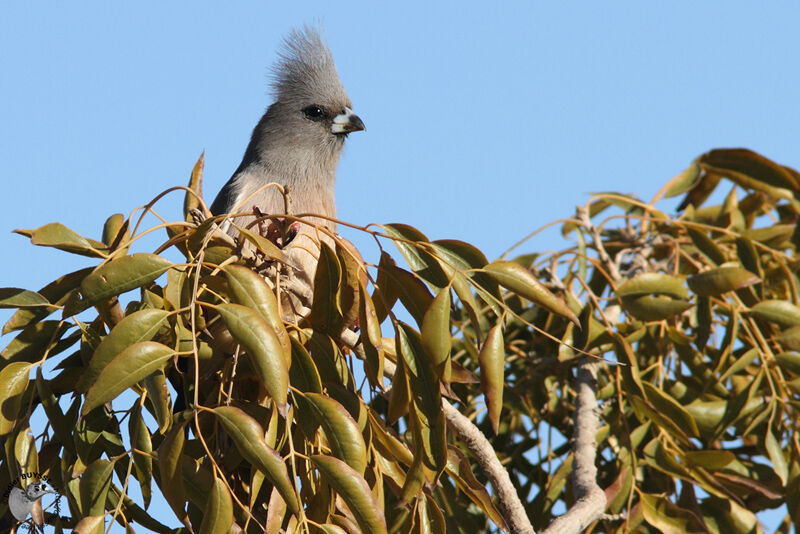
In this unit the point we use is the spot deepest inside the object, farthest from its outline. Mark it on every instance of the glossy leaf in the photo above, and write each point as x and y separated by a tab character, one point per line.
249	289
352	487
263	348
126	369
123	274
343	433
436	338
248	436
781	312
58	236
13	382
135	328
94	486
492	363
653	284
719	280
218	512
518	279
14	297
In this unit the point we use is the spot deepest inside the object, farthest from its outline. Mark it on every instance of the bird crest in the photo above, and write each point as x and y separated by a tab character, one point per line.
305	69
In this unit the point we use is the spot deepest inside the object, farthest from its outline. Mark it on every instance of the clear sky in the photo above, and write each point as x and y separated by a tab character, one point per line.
482	123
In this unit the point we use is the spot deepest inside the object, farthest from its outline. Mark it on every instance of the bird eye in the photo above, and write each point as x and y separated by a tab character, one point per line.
314	113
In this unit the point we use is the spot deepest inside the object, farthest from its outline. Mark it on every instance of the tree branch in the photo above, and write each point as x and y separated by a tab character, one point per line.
591	499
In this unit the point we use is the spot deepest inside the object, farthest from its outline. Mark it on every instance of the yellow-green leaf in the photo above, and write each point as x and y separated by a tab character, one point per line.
123	274
435	330
248	436
519	280
218	512
343	433
654	308
492	364
195	193
719	280
326	315
263	348
58	236
135	328
13	382
653	284
126	369
14	297
249	289
355	491
781	312
94	485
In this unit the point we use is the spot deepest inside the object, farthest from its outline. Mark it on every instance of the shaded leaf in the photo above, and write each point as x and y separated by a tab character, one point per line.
248	436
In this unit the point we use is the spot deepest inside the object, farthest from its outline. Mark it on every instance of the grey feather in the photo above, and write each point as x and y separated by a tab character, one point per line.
291	145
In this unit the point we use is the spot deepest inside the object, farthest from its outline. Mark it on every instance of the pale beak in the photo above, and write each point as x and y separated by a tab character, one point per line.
346	122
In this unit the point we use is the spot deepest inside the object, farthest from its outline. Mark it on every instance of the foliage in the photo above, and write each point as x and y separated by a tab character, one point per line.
322	424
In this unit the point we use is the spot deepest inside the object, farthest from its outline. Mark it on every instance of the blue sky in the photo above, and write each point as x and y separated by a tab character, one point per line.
483	124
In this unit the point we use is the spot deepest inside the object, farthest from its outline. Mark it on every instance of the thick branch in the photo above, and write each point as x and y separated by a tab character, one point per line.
591	500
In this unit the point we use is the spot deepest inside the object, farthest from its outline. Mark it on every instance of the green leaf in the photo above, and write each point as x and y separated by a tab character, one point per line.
31	343
669	518
706	245
14	297
262	346
343	433
55	292
58	236
420	261
672	409
249	289
436	338
170	458
780	312
492	364
650	308
95	482
139	326
218	512
355	491
13	382
129	367
122	274
248	436
777	457
326	315
519	280
395	282
653	284
683	181
716	281
143	448
192	199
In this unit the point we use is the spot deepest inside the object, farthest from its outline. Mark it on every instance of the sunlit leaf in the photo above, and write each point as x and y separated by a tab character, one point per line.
126	369
352	487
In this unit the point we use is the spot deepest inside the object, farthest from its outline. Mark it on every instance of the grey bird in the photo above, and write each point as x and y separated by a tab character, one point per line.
297	143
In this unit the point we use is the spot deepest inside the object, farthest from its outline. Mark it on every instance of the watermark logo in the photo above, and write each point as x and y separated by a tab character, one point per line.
22	500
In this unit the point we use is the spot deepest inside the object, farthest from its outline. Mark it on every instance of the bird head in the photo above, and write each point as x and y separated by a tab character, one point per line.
310	100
